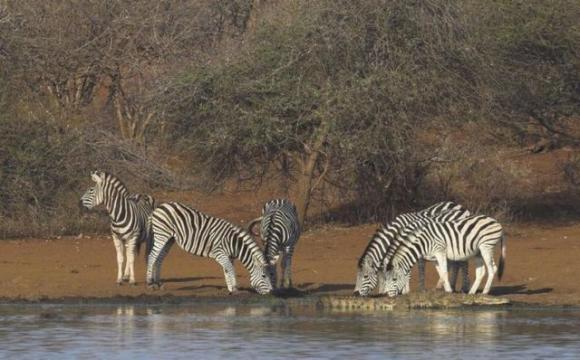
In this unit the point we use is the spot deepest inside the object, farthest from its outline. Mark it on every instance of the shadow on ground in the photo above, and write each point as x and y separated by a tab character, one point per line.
186	279
325	288
518	290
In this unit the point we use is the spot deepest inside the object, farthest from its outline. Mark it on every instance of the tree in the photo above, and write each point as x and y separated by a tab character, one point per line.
69	50
331	91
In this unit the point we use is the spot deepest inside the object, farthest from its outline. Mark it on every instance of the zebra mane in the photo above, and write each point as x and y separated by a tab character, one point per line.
114	181
384	232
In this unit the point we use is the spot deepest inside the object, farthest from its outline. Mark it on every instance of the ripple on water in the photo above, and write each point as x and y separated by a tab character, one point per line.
268	332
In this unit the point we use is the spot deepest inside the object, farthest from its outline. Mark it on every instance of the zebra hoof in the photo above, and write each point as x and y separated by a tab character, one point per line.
132	283
119	282
154	286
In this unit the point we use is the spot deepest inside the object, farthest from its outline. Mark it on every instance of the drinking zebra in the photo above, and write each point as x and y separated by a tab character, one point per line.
371	267
204	235
128	214
459	240
404	235
280	230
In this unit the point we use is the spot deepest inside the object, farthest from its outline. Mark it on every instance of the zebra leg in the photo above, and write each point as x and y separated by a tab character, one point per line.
442	269
161	246
287	269
407	288
487	255
229	272
421	264
120	257
454	267
440	283
129	275
479	273
465	274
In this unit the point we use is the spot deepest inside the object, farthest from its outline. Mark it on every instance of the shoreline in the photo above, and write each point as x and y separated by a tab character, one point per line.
436	301
540	270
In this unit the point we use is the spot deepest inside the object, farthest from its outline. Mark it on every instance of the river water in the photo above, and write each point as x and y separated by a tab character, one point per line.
273	332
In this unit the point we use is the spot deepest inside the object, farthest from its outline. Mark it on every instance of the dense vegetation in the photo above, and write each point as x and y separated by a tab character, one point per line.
372	105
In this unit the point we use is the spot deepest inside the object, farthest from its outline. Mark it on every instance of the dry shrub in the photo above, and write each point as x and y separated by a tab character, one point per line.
45	169
476	175
571	169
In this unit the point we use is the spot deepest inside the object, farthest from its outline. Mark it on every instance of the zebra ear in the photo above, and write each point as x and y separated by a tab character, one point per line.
96	176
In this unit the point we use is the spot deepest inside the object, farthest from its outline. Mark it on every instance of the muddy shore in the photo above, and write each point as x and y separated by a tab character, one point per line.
541	269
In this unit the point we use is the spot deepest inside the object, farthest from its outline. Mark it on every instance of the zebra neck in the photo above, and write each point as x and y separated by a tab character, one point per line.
246	250
117	205
407	256
379	244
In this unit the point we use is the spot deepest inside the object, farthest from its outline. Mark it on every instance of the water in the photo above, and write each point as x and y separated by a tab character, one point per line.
263	332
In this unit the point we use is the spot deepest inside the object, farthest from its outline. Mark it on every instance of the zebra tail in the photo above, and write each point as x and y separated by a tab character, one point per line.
148	238
502	258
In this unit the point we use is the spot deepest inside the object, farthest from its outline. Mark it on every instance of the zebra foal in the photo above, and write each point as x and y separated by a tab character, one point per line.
128	214
207	236
280	230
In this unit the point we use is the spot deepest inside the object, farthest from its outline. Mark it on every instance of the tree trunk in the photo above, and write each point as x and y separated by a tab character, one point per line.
304	185
307	164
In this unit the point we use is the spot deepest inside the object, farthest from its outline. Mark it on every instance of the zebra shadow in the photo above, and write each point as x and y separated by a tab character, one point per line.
325	288
201	287
521	289
187	279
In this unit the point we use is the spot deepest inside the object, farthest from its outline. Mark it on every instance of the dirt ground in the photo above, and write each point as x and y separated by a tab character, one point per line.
541	267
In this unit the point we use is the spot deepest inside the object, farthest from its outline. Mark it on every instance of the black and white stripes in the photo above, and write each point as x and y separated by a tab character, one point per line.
203	235
371	264
128	214
280	230
459	240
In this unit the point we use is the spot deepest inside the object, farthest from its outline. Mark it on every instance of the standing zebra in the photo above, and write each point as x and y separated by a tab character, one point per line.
128	214
280	230
204	235
458	240
371	263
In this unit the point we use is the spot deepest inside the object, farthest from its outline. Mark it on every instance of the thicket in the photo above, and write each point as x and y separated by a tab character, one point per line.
374	106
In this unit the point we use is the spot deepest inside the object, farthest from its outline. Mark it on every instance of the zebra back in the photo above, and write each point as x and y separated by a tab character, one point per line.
279	227
386	235
406	232
205	235
463	236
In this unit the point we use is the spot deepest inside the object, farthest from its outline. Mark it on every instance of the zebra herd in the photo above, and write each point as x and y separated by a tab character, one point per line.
445	233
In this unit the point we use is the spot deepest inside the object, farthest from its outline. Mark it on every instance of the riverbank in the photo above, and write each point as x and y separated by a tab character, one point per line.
541	268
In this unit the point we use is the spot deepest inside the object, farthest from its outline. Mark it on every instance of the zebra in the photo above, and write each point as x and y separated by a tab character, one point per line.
371	263
459	240
207	236
404	234
280	230
128	214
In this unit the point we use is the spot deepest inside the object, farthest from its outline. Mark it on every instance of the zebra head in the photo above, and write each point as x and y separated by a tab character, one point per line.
395	281
94	196
260	278
366	278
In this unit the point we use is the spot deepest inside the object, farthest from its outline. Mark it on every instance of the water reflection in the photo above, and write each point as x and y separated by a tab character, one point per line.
281	332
